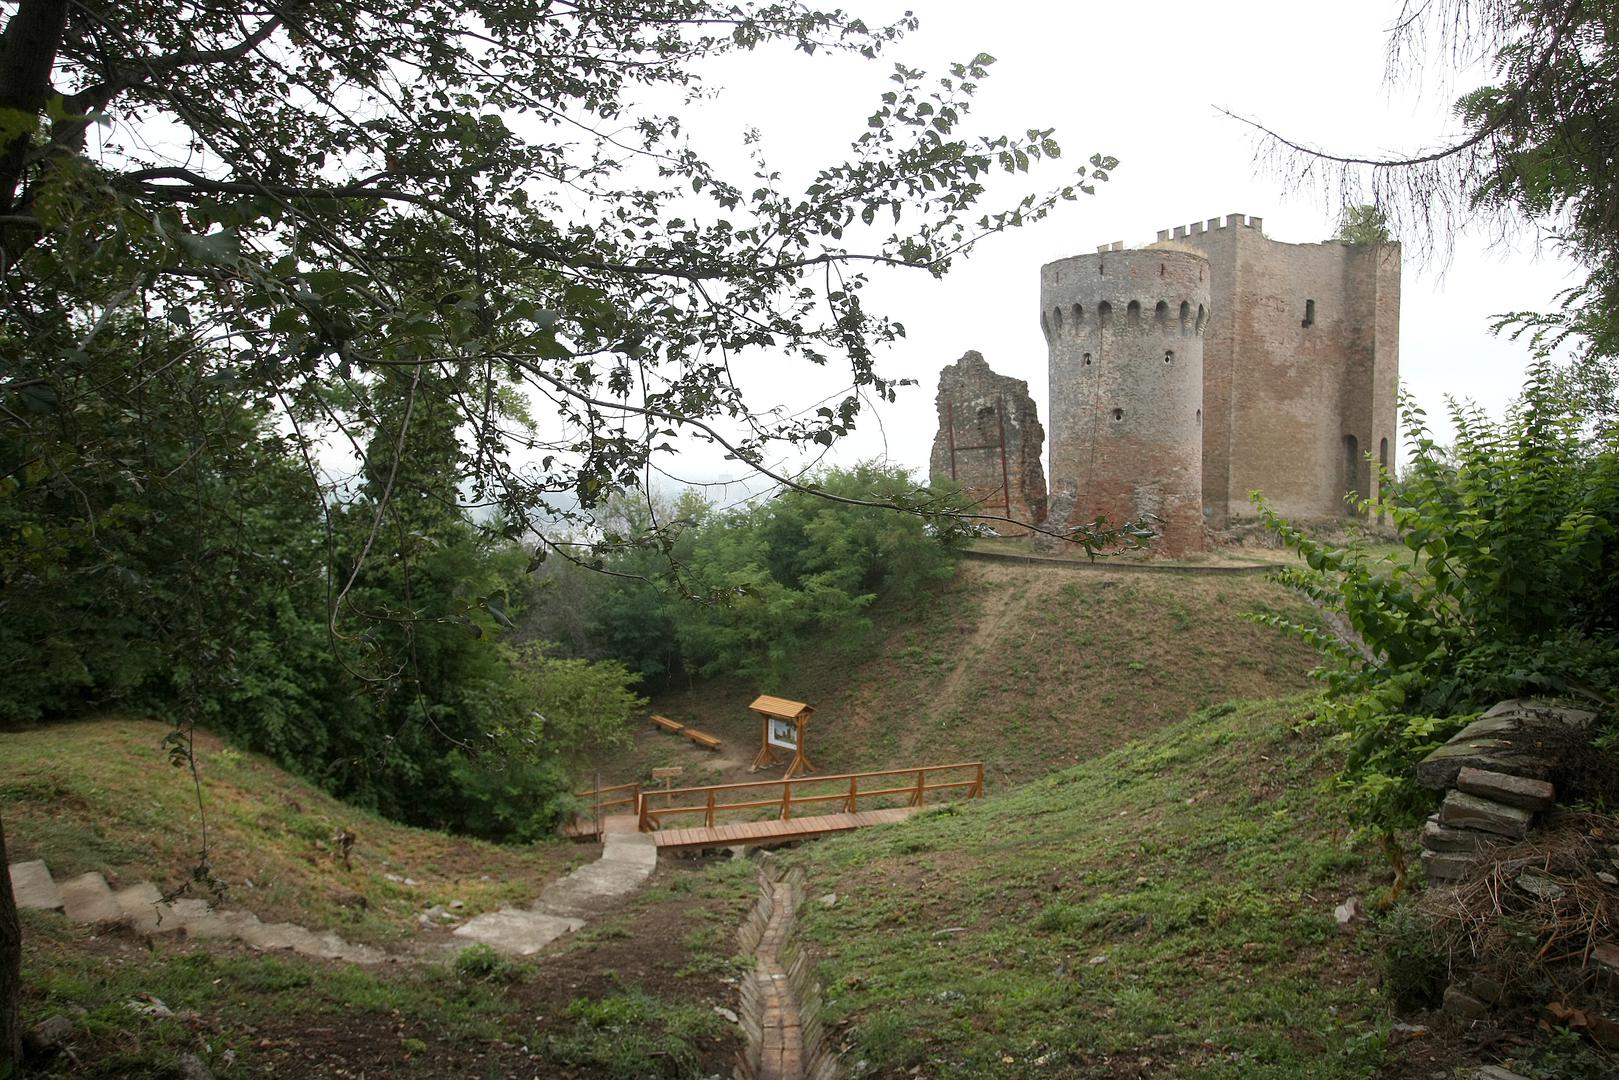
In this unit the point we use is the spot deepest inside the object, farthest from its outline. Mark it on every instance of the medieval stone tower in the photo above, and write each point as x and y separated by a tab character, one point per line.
1187	374
1124	332
1301	369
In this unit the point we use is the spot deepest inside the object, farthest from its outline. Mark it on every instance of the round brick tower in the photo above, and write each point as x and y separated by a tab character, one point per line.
1124	331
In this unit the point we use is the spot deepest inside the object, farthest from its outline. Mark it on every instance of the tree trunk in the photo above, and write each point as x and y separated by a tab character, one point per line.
10	971
27	55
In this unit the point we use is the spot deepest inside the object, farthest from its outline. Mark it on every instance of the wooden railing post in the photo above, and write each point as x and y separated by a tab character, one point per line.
977	790
786	800
854	795
916	796
710	808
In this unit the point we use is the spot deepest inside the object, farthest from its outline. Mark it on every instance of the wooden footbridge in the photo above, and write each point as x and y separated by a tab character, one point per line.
774	811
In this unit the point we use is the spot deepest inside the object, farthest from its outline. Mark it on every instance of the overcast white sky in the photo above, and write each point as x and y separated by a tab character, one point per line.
1140	82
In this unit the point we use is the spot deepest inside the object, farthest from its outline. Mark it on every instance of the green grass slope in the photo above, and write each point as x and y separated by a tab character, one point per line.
1025	668
101	795
1165	909
632	995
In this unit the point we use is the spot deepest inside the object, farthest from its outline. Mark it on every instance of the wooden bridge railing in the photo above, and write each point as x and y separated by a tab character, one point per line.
845	789
598	803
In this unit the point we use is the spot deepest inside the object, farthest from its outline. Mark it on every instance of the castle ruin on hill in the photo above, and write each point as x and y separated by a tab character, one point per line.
1184	375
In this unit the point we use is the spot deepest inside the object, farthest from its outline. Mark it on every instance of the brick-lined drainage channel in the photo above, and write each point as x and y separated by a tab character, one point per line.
780	1001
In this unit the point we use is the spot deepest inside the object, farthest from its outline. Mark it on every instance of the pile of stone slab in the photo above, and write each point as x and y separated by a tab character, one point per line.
1496	775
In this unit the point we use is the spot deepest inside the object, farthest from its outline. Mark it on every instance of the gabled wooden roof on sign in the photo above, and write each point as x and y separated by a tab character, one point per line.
781	708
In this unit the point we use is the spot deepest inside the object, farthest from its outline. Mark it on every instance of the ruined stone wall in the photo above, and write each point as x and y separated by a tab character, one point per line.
989	442
1301	362
1124	333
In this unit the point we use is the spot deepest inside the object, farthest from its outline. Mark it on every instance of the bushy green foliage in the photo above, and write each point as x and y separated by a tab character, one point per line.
569	715
742	591
164	550
481	963
135	506
1511	587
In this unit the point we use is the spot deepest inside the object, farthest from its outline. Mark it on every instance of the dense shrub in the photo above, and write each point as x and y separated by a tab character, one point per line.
1511	587
742	591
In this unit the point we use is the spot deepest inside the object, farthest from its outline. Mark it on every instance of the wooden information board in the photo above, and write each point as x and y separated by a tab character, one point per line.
783	730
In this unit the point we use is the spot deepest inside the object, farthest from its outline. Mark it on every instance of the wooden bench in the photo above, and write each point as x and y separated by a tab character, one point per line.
675	727
701	738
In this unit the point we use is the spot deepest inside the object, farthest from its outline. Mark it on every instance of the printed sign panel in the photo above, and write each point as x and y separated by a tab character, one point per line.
783	733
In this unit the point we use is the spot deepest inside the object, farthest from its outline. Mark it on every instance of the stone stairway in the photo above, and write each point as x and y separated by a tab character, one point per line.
89	901
628	859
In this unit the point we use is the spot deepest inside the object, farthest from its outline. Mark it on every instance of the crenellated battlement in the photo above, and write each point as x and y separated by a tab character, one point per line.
1198	228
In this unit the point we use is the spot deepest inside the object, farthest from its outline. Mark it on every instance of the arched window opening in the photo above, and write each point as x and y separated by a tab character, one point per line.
1309	313
1104	313
1202	317
1056	318
1186	317
1045	324
1132	312
1079	315
1352	468
1160	314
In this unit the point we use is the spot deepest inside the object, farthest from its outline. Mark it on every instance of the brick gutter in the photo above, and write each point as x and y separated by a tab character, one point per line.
780	1002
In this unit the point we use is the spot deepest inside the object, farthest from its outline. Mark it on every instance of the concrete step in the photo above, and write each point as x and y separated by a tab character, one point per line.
33	887
638	848
519	933
292	938
86	899
220	925
139	905
275	937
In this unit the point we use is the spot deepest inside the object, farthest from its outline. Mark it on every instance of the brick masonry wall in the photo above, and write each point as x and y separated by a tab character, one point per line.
1124	333
1283	399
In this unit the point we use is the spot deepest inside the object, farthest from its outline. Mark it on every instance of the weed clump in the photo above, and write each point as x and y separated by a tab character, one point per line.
1413	963
481	963
634	1034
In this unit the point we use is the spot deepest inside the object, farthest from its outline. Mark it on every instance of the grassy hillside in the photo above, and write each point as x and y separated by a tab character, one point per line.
632	995
1165	909
101	795
1026	668
1162	907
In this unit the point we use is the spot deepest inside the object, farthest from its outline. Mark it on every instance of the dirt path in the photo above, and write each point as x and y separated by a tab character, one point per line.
1002	606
